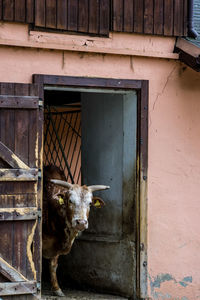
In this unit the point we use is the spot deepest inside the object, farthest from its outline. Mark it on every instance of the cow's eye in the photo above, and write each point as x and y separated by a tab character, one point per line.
70	201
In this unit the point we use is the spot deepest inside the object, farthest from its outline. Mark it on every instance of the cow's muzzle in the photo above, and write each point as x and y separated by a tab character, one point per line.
81	225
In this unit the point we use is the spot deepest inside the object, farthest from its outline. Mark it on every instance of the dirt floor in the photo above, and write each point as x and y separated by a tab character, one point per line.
80	295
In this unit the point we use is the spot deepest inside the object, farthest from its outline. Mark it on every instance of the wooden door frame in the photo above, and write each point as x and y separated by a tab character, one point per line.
142	89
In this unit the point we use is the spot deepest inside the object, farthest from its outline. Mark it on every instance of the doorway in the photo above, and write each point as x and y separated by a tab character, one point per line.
91	135
141	87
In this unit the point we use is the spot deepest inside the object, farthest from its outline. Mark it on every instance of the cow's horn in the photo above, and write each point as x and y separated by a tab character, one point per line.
94	188
62	183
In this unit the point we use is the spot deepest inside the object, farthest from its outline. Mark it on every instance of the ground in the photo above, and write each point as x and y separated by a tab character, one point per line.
80	295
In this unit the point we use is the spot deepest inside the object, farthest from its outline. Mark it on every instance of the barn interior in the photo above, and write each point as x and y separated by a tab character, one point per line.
91	135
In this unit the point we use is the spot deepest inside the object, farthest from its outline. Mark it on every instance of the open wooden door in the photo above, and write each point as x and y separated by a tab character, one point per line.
20	191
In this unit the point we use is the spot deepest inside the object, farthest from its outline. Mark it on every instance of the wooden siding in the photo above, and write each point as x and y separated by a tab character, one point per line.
84	16
158	17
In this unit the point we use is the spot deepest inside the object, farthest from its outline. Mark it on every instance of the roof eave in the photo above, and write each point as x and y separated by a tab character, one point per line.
188	53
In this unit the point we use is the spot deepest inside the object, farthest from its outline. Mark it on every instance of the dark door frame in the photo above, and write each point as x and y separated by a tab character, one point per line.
142	89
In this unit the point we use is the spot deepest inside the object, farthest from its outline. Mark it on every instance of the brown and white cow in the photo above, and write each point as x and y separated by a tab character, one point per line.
66	209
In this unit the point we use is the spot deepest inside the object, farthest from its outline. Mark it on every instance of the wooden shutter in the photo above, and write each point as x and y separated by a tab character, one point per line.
85	16
20	191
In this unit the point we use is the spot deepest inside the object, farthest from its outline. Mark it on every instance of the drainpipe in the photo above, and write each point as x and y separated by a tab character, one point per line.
191	31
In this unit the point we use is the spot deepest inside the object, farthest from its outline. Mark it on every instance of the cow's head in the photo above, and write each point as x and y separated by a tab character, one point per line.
75	201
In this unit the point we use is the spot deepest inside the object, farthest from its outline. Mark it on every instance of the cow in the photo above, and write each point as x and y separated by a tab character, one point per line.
66	209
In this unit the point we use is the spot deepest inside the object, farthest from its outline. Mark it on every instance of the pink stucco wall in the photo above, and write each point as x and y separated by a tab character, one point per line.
174	143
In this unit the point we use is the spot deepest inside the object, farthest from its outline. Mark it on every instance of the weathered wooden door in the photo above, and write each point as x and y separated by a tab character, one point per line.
20	191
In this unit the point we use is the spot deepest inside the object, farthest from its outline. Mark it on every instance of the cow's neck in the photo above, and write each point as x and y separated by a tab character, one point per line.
70	235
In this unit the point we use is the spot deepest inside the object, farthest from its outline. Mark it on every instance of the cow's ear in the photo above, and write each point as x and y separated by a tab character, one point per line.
98	202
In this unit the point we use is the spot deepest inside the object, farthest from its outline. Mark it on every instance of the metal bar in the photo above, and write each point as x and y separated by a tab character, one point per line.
58	127
53	143
64	112
75	145
72	128
69	123
77	165
49	149
61	148
79	174
67	134
71	138
47	128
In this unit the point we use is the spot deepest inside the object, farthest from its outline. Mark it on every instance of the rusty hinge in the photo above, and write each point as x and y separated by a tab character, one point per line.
40	103
39	174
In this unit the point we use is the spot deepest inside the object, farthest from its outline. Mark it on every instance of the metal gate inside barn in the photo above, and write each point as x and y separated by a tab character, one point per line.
62	136
91	135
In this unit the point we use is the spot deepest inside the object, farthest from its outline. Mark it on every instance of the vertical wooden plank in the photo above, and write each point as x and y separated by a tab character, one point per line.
1	9
128	16
118	15
40	13
51	13
6	88
21	89
33	90
19	246
148	16
2	126
21	149
83	16
6	240
72	15
32	131
7	118
138	16
6	121
168	17
93	16
158	17
21	135
30	11
8	10
38	236
62	14
30	273
178	17
20	10
185	17
104	17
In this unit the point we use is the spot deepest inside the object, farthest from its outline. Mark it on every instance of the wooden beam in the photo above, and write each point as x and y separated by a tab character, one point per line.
16	288
18	175
25	102
11	158
19	214
10	273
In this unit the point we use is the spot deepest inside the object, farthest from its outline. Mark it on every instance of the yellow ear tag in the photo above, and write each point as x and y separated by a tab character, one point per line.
97	204
61	201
